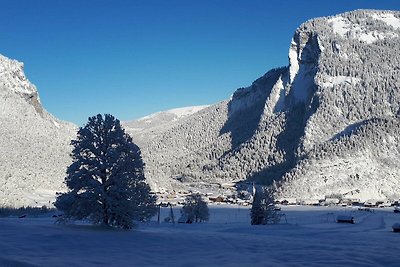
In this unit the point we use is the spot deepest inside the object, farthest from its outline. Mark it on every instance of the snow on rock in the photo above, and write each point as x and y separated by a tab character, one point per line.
12	77
276	101
371	37
335	102
303	83
389	19
339	25
342	26
35	145
177	112
332	113
304	52
56	124
161	119
336	80
293	61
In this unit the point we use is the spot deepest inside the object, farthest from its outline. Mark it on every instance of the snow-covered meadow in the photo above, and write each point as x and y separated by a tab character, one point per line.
311	237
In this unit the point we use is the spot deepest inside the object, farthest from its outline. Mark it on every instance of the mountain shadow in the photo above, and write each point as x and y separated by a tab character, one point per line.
288	143
246	108
297	112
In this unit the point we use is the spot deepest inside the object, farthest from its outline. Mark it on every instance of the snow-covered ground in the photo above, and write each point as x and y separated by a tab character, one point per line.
309	238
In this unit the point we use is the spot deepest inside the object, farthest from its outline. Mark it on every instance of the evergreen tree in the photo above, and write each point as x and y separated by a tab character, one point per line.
257	210
106	181
263	207
195	208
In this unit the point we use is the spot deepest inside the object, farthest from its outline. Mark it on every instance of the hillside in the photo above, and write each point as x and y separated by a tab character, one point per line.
328	123
34	145
159	121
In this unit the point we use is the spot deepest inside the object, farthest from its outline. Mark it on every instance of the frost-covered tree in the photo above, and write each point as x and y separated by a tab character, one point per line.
195	208
263	207
106	181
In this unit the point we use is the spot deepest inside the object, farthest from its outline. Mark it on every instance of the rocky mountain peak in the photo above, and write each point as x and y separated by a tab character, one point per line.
12	78
326	124
306	124
35	145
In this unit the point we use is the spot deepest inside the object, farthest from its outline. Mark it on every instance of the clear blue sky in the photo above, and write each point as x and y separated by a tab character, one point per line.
133	58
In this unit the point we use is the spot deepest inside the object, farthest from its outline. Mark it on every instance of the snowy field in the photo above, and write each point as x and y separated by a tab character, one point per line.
311	237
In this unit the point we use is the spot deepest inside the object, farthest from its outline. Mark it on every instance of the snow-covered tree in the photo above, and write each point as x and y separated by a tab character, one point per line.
263	207
106	180
195	208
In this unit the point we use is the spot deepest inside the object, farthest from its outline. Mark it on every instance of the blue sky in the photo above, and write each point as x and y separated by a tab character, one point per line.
133	58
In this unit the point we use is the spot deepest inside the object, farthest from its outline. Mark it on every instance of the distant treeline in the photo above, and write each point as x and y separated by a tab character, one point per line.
29	211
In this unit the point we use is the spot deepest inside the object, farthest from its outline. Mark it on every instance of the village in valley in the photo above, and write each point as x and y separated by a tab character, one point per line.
242	194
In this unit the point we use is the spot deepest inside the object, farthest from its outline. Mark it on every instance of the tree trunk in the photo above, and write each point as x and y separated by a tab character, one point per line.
105	214
103	181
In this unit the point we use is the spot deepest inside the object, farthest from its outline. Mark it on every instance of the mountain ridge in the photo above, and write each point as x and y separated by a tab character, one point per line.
270	132
326	124
35	145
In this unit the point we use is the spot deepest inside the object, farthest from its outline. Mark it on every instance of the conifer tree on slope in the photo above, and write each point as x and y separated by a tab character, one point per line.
106	181
263	207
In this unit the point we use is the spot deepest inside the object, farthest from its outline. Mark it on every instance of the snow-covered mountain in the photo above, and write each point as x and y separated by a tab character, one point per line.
328	123
34	145
159	121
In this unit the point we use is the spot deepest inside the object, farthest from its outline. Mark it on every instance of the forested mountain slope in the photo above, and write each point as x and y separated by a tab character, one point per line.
326	124
34	145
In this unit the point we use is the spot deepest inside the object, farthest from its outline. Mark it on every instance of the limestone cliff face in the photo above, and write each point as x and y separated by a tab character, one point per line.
34	145
350	141
12	78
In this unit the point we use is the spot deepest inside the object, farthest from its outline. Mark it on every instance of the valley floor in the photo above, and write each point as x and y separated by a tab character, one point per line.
311	237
